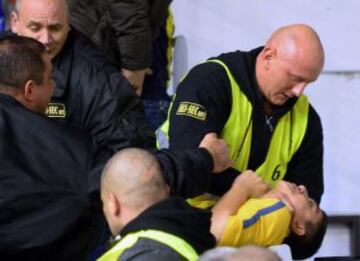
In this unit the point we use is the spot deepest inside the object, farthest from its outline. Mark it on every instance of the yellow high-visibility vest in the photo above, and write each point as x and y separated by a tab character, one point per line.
237	132
176	243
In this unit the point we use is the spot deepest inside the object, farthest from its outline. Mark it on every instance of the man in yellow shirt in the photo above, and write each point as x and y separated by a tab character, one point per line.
284	214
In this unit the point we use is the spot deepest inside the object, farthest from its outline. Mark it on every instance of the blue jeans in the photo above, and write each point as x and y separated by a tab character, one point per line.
155	112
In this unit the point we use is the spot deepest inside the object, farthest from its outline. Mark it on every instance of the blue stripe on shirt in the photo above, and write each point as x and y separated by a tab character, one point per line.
248	222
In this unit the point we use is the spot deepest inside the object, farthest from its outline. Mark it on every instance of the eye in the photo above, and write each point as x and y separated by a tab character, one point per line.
55	28
34	27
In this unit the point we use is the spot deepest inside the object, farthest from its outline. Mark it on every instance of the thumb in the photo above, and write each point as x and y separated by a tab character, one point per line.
211	135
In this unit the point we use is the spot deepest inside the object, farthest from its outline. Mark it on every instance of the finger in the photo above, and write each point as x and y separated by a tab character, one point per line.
148	71
211	135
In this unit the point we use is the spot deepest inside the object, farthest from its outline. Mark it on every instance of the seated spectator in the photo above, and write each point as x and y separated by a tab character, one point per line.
47	208
146	223
245	253
285	214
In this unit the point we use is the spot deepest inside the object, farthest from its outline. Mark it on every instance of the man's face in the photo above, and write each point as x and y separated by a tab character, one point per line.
288	77
43	20
304	207
44	91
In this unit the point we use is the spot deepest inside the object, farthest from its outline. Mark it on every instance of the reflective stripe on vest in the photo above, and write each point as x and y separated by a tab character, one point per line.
176	243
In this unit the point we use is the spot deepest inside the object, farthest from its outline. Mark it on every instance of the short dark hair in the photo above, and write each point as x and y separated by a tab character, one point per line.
307	245
21	59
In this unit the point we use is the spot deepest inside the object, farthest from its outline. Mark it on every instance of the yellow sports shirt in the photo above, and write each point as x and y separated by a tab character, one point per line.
259	221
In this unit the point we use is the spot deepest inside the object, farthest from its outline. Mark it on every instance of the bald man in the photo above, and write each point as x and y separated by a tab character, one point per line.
150	225
254	100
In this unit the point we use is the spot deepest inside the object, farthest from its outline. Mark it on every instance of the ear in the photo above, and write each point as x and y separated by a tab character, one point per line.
29	91
269	54
14	22
298	226
114	205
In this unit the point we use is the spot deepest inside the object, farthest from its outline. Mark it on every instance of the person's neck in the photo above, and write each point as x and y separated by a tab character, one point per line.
274	194
267	107
10	91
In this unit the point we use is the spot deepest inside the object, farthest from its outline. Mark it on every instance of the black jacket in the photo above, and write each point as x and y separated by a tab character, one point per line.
123	29
97	98
47	212
175	217
100	101
208	85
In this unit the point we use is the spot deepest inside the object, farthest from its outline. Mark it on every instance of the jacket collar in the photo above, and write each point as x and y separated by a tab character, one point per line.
175	216
62	65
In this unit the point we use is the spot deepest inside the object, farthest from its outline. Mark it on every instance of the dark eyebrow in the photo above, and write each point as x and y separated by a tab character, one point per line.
33	23
56	25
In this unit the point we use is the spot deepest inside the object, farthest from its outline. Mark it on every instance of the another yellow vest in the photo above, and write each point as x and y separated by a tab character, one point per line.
237	132
176	243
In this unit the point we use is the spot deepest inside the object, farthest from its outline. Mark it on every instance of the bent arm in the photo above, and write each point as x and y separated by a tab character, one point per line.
247	185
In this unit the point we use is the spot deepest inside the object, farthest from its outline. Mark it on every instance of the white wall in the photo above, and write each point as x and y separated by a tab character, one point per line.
211	27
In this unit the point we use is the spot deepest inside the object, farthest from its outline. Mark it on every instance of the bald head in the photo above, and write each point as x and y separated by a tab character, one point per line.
60	3
134	176
299	42
43	20
292	58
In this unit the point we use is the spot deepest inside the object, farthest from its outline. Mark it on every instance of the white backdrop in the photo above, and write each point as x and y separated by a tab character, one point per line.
210	27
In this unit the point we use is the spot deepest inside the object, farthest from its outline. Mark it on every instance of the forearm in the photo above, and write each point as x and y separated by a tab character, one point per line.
247	185
187	171
227	206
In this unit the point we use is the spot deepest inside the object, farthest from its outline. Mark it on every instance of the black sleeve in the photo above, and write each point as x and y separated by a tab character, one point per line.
306	166
130	21
112	112
202	105
186	171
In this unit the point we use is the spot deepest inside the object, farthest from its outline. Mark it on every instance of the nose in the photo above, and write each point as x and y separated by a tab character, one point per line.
45	37
302	189
298	89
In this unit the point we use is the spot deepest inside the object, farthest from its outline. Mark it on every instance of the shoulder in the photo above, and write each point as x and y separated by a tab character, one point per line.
150	250
207	79
84	53
83	66
206	71
314	128
314	117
